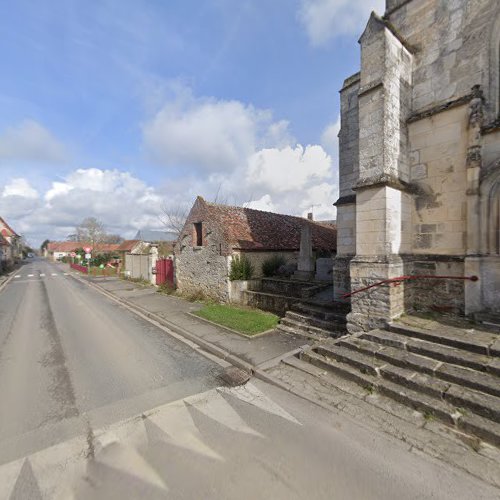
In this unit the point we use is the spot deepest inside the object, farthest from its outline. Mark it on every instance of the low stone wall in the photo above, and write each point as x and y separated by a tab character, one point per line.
341	276
238	287
441	295
324	269
277	304
290	288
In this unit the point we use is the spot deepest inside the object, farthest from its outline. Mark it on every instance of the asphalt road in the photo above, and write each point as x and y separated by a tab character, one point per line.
71	359
97	403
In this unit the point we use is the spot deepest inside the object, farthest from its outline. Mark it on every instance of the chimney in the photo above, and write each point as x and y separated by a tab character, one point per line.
310	215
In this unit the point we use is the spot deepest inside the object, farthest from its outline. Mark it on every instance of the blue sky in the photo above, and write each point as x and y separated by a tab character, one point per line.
119	108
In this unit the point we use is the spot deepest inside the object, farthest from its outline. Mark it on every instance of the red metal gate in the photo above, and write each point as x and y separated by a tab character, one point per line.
165	271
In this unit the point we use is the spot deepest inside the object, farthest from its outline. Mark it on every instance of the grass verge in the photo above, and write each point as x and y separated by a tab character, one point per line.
247	321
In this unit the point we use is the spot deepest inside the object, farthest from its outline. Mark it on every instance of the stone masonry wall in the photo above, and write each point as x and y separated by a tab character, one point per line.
453	46
202	268
439	182
446	296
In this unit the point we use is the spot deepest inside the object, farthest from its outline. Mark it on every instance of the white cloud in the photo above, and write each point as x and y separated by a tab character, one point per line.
246	156
289	168
330	140
30	141
209	134
327	19
19	187
123	202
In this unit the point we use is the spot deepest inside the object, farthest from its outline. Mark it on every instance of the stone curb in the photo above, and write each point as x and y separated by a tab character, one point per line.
9	278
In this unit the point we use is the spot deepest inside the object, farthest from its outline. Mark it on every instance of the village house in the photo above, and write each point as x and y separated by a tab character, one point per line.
11	245
420	163
214	234
57	250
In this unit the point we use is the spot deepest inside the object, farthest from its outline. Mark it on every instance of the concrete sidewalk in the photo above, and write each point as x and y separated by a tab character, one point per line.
259	352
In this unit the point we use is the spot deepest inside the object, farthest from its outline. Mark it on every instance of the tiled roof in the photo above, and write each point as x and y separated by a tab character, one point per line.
128	245
106	247
64	246
9	229
249	229
71	246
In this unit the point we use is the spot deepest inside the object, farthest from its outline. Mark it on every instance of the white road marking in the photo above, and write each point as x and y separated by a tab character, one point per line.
213	405
66	274
17	276
250	394
52	472
9	474
42	275
175	425
30	275
126	459
54	274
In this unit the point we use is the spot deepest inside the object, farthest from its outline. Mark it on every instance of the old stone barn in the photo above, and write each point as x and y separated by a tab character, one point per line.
213	234
420	162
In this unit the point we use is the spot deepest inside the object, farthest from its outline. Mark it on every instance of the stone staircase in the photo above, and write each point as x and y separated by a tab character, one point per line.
489	319
452	374
313	320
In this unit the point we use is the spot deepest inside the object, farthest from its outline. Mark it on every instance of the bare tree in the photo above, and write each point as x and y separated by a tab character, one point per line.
112	238
91	230
173	217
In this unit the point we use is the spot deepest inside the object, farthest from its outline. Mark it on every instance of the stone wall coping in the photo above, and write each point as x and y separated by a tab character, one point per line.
349	199
382	180
439	108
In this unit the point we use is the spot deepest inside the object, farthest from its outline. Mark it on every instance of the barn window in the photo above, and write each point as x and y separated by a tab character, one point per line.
198	234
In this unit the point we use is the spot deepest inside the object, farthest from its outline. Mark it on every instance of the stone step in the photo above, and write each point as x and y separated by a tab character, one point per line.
490	320
363	362
297	329
344	370
478	342
467	377
422	402
460	394
440	352
397	357
313	321
322	312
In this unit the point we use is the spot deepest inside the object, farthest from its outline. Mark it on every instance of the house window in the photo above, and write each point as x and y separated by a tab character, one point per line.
198	234
494	221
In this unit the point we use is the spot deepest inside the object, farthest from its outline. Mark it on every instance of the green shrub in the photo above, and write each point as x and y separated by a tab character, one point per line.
270	266
241	268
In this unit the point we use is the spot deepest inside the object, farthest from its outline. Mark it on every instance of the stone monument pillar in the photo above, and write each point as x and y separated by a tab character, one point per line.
306	264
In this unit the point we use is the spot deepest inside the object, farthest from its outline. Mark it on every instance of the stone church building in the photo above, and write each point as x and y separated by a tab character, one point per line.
420	163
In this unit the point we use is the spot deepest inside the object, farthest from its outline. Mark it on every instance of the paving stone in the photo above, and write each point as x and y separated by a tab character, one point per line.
469	378
483	404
